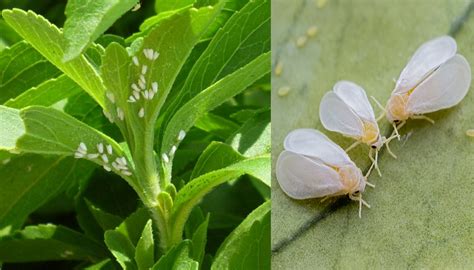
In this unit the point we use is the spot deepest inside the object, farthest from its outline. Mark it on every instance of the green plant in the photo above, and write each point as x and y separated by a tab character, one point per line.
198	68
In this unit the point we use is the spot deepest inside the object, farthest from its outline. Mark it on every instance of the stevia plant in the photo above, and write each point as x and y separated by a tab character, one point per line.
176	110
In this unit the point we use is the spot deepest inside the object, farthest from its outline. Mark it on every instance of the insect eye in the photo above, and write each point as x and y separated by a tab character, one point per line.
396	121
373	146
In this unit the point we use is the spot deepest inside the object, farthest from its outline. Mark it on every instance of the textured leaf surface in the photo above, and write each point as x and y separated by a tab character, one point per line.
177	258
246	35
22	67
248	246
47	93
48	131
213	96
50	42
87	20
41	179
191	194
122	249
254	137
145	252
167	5
216	156
421	215
49	242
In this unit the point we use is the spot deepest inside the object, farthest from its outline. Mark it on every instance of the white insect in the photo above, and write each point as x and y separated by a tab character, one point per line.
312	166
348	111
435	78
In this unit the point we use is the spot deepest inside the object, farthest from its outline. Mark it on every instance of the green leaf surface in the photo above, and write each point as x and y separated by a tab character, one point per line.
171	42
199	240
177	258
47	93
216	125
22	67
248	246
48	131
170	5
421	214
41	179
51	43
87	20
191	194
122	249
106	220
8	37
254	137
213	96
145	251
246	35
106	264
132	226
216	156
49	243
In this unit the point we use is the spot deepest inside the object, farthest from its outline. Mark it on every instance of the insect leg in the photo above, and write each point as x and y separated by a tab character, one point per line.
352	146
381	107
423	117
386	142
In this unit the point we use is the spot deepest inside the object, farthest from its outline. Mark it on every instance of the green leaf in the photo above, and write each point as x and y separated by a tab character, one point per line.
41	179
106	264
246	35
248	246
48	243
11	128
132	226
215	95
167	5
199	240
122	249
44	130
177	258
87	20
192	193
50	42
254	137
22	67
216	125
9	36
145	252
216	156
47	93
421	214
106	220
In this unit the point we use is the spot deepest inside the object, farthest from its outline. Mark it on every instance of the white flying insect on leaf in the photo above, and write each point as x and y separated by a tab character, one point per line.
312	166
348	111
435	78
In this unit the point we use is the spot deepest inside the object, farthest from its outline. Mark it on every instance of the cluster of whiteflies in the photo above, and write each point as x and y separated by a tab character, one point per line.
104	155
312	166
166	156
140	89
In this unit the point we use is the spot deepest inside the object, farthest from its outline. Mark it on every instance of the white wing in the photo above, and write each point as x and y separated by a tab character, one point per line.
354	96
428	57
302	178
445	88
314	144
337	116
